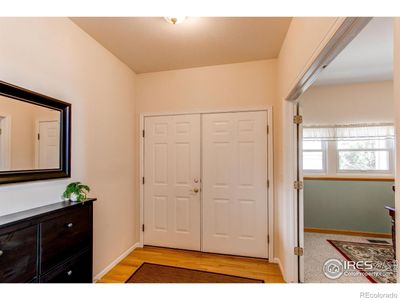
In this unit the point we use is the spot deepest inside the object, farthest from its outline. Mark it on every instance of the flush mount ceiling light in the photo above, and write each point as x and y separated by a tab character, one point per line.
175	20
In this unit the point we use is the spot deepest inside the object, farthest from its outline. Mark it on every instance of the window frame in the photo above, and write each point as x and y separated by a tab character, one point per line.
389	149
324	150
330	156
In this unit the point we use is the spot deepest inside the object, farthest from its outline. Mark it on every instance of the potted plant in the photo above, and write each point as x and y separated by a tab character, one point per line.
76	192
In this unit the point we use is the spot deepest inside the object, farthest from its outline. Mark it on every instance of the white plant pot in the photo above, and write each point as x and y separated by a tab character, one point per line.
73	197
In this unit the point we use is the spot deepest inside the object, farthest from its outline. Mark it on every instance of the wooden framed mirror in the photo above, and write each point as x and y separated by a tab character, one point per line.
35	136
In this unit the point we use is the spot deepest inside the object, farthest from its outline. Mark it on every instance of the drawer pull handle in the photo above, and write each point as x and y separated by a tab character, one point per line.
1	252
69	225
69	273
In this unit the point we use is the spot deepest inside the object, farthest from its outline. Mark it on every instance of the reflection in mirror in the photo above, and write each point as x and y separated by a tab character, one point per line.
29	136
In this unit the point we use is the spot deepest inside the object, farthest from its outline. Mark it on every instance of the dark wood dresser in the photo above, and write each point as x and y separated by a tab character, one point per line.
49	244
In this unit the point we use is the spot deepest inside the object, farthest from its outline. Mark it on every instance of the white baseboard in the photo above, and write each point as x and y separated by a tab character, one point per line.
116	261
278	261
275	260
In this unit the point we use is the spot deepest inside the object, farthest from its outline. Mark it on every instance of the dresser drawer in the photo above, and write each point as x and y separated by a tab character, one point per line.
18	255
65	236
76	270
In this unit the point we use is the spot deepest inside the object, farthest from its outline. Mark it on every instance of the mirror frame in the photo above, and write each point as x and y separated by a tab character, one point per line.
21	94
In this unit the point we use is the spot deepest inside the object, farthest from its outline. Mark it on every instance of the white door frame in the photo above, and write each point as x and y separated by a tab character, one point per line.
5	163
350	27
270	177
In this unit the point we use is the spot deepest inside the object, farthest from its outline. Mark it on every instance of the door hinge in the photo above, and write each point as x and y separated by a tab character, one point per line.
142	180
298	185
268	238
143	227
267	129
142	133
38	136
267	183
298	251
297	119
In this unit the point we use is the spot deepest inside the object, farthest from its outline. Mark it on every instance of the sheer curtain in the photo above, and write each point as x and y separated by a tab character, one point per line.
348	132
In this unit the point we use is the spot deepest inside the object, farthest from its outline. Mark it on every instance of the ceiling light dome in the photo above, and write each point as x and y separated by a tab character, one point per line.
175	20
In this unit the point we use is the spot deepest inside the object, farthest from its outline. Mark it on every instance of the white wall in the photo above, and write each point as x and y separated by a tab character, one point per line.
53	56
216	87
369	102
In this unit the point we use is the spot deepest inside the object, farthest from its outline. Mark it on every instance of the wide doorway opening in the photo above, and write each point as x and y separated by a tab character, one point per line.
347	163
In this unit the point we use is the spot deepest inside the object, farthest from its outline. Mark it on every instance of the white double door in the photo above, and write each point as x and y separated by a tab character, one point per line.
205	182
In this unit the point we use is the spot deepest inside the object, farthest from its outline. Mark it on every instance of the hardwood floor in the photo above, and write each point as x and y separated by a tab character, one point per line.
226	264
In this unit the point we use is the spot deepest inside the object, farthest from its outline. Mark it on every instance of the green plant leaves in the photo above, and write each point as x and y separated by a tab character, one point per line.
77	188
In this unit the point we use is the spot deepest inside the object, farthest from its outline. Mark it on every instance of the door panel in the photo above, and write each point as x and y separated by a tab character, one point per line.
234	158
172	165
49	145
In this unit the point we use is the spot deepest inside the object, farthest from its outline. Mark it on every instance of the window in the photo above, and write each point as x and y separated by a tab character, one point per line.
364	155
314	156
331	150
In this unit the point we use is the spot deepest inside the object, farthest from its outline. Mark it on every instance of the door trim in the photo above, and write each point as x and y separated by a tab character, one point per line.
270	161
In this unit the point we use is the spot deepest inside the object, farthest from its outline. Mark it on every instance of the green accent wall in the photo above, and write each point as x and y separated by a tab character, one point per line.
348	205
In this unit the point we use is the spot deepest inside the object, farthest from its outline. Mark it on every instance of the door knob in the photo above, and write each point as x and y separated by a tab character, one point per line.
196	190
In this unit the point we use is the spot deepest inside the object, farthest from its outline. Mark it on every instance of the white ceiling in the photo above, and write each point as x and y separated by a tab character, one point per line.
369	57
150	44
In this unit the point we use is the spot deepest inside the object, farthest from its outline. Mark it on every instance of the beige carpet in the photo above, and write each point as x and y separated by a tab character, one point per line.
317	250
